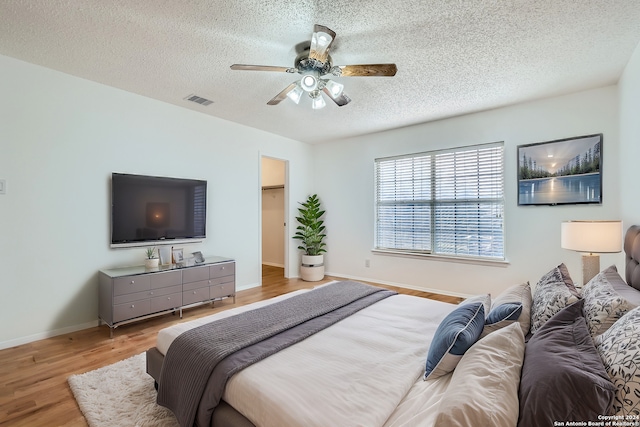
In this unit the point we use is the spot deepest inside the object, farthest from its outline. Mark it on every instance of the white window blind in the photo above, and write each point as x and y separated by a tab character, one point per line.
448	202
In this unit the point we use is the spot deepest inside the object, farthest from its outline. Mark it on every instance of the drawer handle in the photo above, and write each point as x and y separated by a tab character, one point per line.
168	297
150	293
133	306
209	281
194	292
133	281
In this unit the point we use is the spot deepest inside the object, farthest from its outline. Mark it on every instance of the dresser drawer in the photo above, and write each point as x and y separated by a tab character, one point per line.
166	302
221	280
195	295
222	290
130	310
195	274
224	269
162	280
131	284
196	285
121	299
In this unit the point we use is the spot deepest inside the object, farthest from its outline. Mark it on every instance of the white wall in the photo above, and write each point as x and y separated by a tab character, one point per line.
532	233
629	87
60	139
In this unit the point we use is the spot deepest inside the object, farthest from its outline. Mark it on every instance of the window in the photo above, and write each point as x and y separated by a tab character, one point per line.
448	202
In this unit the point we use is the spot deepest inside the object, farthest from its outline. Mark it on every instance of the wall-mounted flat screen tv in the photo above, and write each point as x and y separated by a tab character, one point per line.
152	209
561	172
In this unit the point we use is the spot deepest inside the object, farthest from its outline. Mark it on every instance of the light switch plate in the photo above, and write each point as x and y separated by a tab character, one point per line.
3	186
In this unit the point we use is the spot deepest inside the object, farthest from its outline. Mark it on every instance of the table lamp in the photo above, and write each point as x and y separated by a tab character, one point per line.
594	237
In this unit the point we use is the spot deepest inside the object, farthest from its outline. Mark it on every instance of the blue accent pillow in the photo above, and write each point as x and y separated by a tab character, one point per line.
509	311
454	336
501	316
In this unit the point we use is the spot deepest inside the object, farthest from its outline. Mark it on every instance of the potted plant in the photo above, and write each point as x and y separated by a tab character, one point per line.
311	235
152	259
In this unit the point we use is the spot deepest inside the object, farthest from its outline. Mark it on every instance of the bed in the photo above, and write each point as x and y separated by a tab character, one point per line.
530	356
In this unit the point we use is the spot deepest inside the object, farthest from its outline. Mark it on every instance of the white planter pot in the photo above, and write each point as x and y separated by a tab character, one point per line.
151	263
312	268
312	260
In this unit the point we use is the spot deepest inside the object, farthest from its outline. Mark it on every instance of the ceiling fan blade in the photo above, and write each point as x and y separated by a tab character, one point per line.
282	95
379	70
263	68
321	41
340	100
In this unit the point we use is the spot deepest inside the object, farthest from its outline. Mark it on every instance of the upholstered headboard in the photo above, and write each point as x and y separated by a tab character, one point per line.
632	253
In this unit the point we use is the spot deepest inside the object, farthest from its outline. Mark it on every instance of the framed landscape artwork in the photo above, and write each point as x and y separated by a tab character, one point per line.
561	172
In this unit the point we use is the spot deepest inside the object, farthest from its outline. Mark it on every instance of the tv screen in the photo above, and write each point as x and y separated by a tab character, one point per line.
151	209
561	172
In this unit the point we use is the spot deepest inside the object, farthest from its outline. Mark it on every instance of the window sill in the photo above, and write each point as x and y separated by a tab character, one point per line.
443	258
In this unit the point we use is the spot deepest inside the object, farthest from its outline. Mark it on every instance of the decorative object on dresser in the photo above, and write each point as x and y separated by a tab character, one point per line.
152	260
134	293
165	255
311	235
593	237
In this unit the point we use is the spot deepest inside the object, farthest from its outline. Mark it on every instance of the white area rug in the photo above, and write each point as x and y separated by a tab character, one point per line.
121	394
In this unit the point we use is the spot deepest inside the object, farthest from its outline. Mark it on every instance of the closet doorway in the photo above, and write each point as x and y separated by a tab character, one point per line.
274	227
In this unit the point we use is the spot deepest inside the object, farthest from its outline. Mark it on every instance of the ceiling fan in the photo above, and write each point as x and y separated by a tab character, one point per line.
315	64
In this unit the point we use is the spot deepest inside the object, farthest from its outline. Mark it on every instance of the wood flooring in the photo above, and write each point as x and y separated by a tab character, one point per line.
33	377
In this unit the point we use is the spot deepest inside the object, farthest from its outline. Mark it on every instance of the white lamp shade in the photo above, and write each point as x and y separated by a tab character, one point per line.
318	102
591	236
295	94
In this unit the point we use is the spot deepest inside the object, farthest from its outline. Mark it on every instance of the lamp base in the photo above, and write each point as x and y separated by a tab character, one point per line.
590	267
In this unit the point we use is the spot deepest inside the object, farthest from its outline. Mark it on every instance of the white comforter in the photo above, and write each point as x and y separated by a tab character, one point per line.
363	371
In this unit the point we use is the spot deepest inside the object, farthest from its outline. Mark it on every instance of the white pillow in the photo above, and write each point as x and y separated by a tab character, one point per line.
483	390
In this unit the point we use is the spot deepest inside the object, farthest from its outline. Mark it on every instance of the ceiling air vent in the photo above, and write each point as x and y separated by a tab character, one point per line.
198	99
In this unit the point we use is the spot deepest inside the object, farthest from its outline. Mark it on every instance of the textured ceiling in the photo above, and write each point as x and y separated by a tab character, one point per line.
453	57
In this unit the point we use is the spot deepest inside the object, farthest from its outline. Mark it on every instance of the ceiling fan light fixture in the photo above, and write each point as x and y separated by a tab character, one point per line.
317	101
295	94
309	82
333	87
320	41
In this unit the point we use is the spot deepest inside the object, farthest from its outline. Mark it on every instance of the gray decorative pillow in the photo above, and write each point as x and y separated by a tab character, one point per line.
619	348
520	293
563	377
553	292
602	304
621	286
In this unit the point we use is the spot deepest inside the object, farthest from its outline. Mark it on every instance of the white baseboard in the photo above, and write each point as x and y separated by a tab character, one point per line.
47	334
400	285
249	286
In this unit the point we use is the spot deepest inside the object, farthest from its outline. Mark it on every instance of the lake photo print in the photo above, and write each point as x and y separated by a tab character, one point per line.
564	171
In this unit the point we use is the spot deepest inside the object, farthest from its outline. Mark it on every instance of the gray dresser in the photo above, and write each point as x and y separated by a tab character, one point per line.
134	293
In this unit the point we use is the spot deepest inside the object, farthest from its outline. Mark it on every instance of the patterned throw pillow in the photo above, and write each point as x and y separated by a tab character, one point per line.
619	348
602	304
554	291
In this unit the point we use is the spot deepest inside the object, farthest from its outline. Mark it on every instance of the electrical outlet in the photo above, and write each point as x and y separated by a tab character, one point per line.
3	186
367	263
